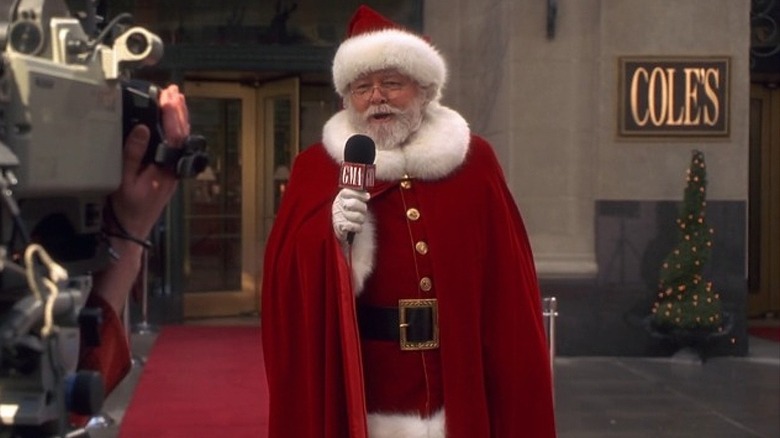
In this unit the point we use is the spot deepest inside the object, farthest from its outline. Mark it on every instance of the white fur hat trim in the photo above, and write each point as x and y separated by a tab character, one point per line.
385	49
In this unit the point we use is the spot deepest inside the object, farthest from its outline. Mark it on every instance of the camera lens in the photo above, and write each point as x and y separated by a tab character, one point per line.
26	37
137	43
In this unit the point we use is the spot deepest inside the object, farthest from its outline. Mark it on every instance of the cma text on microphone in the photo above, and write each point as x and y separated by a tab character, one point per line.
357	176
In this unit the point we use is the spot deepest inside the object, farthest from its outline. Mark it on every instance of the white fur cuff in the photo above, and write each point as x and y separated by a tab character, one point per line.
406	426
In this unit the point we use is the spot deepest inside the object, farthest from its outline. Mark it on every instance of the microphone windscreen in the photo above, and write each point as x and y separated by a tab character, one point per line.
360	149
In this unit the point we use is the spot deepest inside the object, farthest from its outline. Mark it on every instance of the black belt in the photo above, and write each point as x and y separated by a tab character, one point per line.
413	324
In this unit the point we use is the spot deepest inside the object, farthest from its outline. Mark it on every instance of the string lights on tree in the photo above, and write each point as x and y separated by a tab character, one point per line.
686	300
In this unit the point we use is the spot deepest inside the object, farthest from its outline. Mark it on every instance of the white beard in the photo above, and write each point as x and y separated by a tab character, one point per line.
394	134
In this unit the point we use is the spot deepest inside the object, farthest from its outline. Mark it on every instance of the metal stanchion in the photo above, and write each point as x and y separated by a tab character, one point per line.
550	311
144	327
135	360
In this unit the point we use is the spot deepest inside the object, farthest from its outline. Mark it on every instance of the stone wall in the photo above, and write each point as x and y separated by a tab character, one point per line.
549	106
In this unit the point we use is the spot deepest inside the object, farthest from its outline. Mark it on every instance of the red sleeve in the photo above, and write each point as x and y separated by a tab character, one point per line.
111	358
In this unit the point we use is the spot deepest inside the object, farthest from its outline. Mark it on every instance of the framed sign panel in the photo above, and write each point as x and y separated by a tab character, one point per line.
674	96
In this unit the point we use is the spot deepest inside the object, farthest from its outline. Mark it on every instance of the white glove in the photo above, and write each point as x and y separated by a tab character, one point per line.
349	212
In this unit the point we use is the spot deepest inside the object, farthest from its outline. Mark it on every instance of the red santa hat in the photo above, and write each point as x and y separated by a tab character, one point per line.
375	43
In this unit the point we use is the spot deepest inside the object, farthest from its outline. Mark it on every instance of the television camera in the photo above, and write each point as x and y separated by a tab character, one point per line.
66	104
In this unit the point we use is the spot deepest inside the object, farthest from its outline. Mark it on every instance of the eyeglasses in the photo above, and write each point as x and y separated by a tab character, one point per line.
387	87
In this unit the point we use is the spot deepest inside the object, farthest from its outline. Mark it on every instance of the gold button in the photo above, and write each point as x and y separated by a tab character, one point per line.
421	247
426	284
413	214
406	184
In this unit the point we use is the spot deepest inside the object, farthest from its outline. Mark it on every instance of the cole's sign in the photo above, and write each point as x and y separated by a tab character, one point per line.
674	97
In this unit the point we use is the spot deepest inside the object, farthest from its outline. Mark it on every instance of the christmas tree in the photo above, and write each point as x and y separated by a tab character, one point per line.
685	299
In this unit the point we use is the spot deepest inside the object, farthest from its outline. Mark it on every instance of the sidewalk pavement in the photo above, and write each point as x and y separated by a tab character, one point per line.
621	397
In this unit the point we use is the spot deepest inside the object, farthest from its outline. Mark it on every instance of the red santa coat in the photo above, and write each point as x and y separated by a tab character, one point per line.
494	368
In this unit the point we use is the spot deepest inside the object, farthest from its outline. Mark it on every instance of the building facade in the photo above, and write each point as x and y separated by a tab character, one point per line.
594	108
600	201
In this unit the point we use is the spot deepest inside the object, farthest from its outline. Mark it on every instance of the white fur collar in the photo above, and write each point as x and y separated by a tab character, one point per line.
437	149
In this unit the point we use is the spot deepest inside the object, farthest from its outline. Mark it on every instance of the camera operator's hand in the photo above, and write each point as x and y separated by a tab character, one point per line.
145	190
131	212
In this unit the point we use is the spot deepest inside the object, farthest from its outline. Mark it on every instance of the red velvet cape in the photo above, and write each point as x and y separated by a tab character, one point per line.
496	371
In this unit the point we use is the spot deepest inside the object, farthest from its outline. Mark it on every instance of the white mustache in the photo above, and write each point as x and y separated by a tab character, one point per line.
388	135
381	109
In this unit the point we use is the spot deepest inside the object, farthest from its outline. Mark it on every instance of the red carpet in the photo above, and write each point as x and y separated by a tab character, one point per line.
201	381
771	333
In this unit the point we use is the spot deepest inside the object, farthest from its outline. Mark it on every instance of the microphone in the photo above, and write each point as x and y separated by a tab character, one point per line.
357	170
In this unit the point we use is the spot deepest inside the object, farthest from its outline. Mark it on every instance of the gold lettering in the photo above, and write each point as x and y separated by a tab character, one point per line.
640	120
669	96
657	76
693	77
710	89
670	99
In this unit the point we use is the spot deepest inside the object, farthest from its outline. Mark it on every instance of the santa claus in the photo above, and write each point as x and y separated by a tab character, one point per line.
428	323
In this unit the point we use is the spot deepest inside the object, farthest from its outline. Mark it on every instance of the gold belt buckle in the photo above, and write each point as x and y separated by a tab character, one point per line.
403	325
